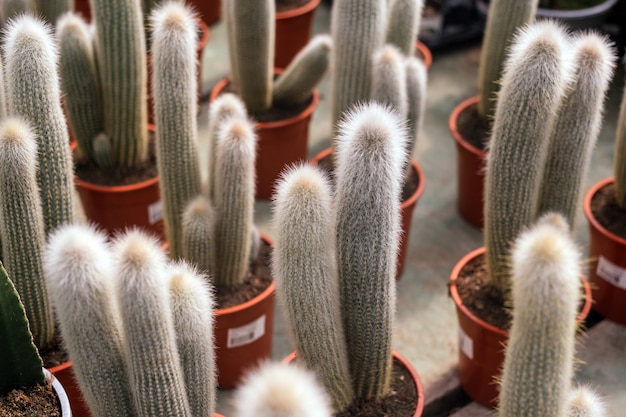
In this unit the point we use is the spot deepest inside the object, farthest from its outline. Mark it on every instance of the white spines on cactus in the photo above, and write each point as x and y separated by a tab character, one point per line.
198	231
577	126
403	23
191	301
156	375
584	402
619	158
370	157
416	78
53	9
539	357
12	8
3	97
307	285
389	79
280	390
78	270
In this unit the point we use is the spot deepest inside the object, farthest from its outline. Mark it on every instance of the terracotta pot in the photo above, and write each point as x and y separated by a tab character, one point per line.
65	374
59	390
607	269
281	143
293	31
243	335
210	11
406	208
419	387
481	345
470	170
422	50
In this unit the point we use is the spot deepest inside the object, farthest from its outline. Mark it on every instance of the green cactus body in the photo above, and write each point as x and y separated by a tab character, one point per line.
234	200
228	12
619	162
389	79
79	81
535	79
20	365
103	152
306	279
403	24
191	303
123	75
22	226
583	402
416	77
78	270
197	234
357	28
53	9
175	109
539	357
306	70
253	26
503	19
156	376
33	93
370	156
577	127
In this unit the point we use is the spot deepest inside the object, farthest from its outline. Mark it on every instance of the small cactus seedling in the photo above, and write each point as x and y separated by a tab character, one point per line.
584	402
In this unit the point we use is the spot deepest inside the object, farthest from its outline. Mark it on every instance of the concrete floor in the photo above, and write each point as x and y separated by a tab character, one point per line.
426	326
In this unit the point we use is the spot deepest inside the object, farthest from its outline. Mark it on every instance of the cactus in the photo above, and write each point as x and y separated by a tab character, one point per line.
503	19
416	78
619	161
539	357
22	225
583	402
33	93
53	9
175	109
389	79
403	24
197	232
536	77
280	390
577	127
12	8
20	364
304	267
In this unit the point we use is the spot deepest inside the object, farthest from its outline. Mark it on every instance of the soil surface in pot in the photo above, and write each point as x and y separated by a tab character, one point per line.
282	5
473	128
606	211
39	400
54	354
257	280
400	403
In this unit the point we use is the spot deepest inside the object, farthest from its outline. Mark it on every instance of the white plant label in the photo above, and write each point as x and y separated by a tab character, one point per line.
612	273
466	344
155	212
246	334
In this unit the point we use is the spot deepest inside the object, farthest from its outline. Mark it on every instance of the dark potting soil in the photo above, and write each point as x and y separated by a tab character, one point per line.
282	5
88	171
39	400
257	280
399	403
606	211
54	354
473	128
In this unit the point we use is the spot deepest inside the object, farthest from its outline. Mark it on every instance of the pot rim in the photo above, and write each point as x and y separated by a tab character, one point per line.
204	39
592	219
287	14
426	53
452	125
64	402
598	9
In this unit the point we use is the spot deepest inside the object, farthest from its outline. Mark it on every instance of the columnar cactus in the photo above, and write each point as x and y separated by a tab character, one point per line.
583	402
141	327
503	20
198	234
34	94
416	78
13	8
22	225
53	9
389	79
619	161
175	109
403	24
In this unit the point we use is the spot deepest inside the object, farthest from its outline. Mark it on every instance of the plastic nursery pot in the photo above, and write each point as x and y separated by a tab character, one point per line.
421	50
407	207
210	11
607	269
243	335
470	170
64	373
293	31
585	18
481	345
419	387
281	143
59	390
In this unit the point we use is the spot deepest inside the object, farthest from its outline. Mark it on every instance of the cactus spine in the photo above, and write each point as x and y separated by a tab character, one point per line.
539	357
20	363
619	161
198	234
53	9
122	68
416	77
175	108
577	127
535	79
389	79
583	402
79	75
304	267
503	19
34	94
22	225
300	393
403	24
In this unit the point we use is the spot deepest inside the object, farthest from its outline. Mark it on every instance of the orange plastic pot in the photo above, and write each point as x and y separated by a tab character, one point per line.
243	335
406	208
210	11
293	31
481	345
65	375
607	269
280	144
423	51
419	387
470	170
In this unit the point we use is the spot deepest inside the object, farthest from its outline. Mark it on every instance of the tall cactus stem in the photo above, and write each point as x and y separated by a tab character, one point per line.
13	8
416	78
53	9
389	79
619	161
403	24
197	233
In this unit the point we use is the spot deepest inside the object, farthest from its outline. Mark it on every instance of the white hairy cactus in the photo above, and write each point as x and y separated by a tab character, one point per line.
584	402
